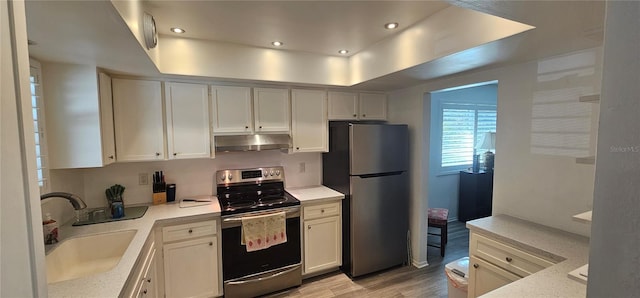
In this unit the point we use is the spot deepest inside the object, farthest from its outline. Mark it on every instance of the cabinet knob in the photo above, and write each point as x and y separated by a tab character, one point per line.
476	266
144	292
210	243
354	115
110	156
364	115
149	280
260	127
175	153
157	153
509	259
297	148
322	211
190	231
309	227
246	127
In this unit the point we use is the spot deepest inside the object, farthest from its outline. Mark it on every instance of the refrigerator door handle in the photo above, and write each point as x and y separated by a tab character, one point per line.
381	174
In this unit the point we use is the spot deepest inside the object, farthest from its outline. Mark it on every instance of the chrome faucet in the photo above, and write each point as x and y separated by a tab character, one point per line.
76	201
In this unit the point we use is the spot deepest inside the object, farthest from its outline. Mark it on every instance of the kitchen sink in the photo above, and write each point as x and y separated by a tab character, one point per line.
87	255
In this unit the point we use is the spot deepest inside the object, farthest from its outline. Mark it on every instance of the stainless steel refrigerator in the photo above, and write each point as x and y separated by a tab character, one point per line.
368	162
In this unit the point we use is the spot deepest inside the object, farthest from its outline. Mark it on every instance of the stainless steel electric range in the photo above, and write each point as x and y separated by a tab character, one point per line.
251	192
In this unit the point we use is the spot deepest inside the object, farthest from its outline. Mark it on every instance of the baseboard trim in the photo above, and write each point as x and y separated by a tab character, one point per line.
419	264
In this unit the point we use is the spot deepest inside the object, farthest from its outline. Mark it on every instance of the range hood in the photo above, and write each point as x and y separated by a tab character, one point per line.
252	142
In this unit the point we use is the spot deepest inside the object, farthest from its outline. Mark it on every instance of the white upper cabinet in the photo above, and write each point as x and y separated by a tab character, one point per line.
78	115
357	106
309	127
137	107
187	114
343	106
272	110
231	110
373	106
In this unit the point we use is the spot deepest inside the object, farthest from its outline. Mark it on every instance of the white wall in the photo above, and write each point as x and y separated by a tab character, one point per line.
21	243
540	188
405	108
443	192
614	253
192	177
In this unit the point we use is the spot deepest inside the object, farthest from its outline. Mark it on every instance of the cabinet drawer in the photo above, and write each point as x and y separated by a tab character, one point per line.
504	256
323	210
188	231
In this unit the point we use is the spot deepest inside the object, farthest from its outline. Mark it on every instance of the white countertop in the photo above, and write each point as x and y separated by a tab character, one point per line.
314	194
111	283
571	251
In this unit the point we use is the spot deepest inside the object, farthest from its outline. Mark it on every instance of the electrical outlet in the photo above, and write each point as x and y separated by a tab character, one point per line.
303	167
143	179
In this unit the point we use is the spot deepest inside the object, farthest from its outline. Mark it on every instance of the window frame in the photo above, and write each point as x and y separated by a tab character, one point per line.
35	70
465	104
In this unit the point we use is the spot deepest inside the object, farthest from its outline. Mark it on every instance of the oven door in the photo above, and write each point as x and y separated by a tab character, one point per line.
238	263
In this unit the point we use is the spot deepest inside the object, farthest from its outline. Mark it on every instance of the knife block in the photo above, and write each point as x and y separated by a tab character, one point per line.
159	198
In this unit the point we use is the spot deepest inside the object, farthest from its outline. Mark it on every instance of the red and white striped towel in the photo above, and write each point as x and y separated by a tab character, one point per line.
263	231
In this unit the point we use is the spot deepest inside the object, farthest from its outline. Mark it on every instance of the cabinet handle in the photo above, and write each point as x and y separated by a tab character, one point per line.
210	243
309	227
157	153
110	156
190	231
509	259
476	266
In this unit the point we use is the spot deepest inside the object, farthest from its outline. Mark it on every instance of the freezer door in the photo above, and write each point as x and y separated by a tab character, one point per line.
379	222
378	148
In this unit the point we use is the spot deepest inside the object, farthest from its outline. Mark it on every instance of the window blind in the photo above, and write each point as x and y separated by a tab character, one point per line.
463	126
38	125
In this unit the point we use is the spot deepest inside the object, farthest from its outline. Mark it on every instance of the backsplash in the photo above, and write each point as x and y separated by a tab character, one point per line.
191	176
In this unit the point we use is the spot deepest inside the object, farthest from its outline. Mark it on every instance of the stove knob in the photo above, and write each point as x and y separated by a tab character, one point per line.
230	176
271	173
277	172
223	177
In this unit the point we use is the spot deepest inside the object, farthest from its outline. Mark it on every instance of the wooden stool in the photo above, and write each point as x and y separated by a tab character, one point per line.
437	218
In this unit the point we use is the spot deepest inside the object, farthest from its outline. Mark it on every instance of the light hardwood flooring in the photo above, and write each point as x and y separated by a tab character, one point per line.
405	281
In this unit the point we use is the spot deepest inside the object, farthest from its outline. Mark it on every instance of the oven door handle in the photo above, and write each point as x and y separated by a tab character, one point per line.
259	279
239	218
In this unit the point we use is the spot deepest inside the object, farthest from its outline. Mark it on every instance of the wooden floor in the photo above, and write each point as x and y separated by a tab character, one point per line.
406	281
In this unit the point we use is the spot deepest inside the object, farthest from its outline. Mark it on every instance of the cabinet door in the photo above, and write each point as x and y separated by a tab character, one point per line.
147	285
187	111
343	106
309	120
322	244
138	122
231	110
106	120
484	277
272	110
373	106
191	268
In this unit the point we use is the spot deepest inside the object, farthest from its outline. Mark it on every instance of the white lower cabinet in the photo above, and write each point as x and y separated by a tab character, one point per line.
143	282
191	259
493	264
322	224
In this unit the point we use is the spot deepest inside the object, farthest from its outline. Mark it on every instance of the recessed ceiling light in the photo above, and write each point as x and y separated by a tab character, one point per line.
277	43
177	30
343	52
391	25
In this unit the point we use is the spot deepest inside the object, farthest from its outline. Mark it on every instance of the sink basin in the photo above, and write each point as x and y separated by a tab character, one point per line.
87	255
